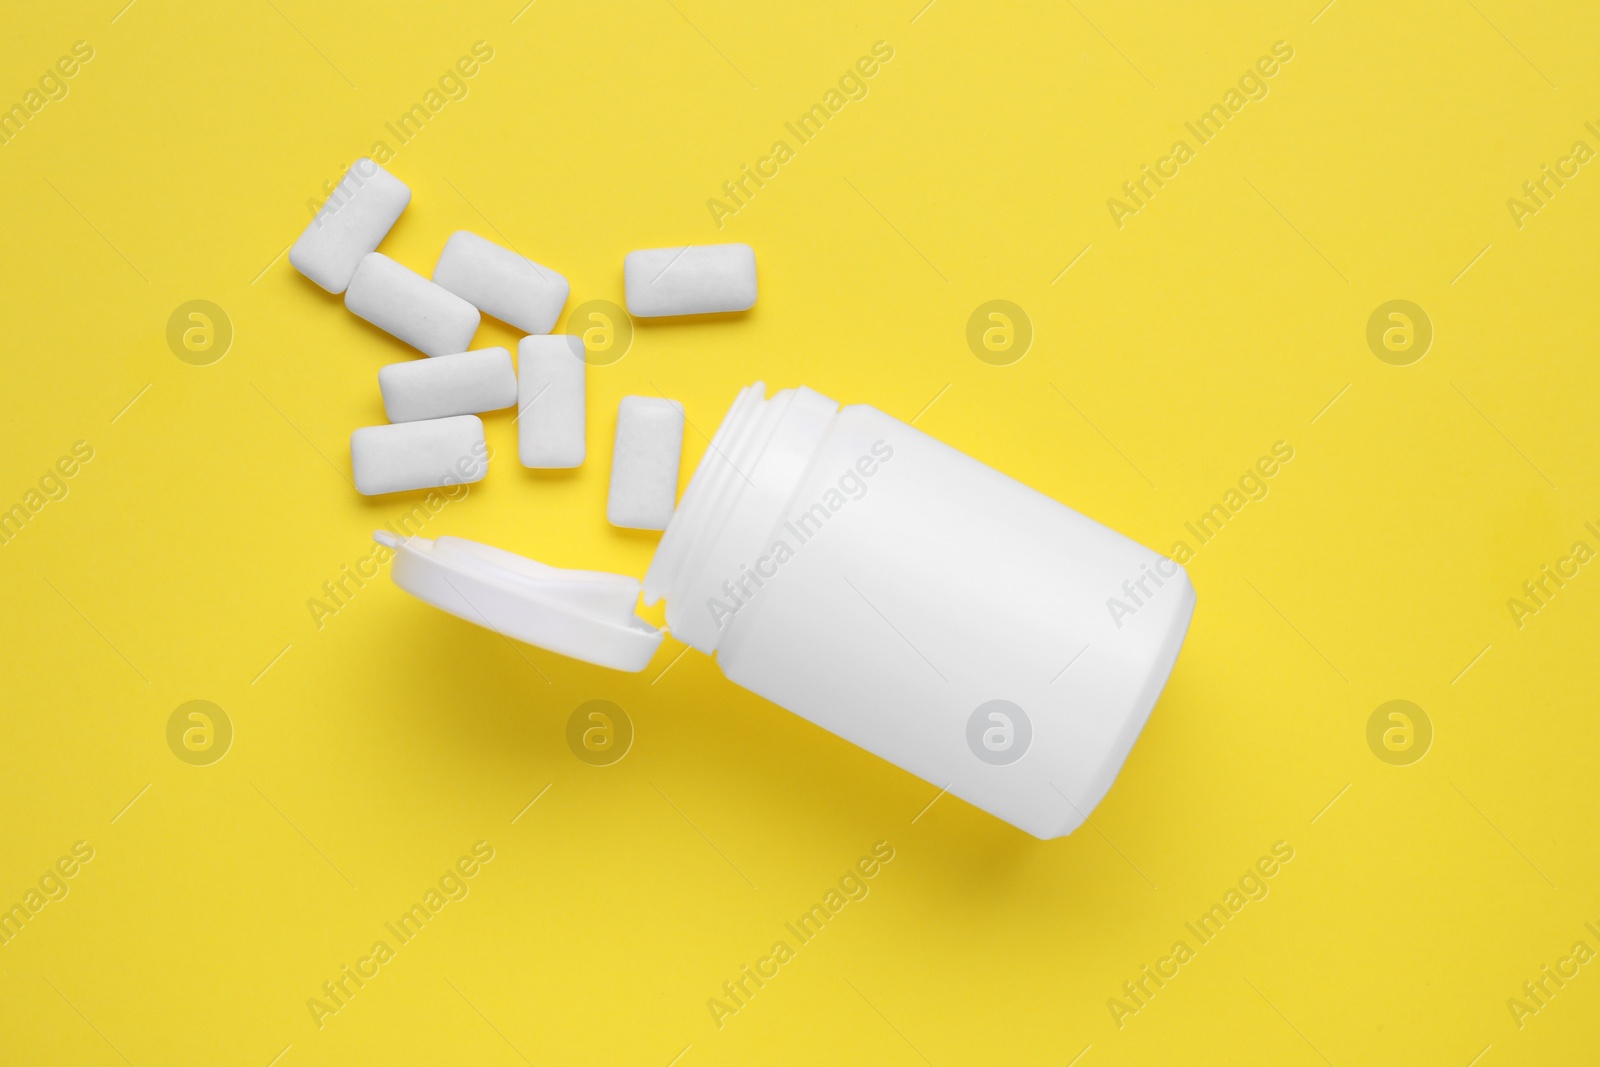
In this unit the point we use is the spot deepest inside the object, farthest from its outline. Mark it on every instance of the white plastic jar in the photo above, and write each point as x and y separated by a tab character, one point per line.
885	586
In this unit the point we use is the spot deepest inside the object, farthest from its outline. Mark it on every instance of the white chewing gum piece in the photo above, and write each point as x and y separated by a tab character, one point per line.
644	463
398	300
550	401
419	455
500	282
691	280
467	383
359	215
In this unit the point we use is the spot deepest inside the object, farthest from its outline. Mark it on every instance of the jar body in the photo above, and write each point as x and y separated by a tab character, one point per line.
947	618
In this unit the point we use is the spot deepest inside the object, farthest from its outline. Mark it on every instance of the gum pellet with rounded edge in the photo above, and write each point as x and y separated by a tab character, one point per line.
463	384
644	463
691	280
500	282
550	401
419	455
359	214
402	302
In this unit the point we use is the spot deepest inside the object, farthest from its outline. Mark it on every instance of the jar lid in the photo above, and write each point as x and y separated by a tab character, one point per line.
588	615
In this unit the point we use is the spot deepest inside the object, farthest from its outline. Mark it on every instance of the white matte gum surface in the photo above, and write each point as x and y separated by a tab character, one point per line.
550	401
355	219
419	455
463	384
644	463
402	302
690	280
500	282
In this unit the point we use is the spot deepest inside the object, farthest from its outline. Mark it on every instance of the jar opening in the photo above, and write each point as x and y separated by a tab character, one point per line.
735	501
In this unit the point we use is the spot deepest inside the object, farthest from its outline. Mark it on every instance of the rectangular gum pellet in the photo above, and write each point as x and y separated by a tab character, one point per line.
500	282
644	463
404	303
463	384
358	215
419	455
550	401
691	280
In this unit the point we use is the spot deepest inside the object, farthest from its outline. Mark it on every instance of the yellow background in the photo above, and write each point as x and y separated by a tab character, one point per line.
370	753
